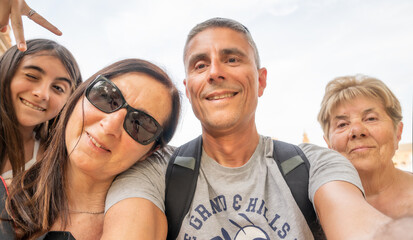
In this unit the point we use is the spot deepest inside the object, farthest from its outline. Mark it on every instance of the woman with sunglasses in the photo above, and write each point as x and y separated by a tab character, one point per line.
119	116
34	86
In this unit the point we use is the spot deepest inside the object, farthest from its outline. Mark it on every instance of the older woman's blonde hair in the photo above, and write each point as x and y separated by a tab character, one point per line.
344	89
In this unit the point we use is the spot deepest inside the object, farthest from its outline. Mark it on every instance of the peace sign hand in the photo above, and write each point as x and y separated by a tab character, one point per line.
15	9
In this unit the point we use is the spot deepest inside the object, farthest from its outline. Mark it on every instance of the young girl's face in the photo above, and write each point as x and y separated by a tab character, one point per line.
39	89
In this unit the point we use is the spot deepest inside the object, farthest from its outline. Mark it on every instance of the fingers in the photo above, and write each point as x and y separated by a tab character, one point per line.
4	15
17	25
3	29
37	18
17	8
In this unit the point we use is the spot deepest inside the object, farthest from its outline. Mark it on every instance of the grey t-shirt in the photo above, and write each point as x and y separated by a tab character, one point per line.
248	202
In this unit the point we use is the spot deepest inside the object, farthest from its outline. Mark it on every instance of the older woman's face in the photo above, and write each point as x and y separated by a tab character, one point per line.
102	147
362	131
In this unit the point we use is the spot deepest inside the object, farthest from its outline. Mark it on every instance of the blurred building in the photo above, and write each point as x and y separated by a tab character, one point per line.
305	138
5	41
403	157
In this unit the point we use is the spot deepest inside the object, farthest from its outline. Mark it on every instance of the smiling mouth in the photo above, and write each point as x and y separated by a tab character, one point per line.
25	102
222	96
360	149
96	143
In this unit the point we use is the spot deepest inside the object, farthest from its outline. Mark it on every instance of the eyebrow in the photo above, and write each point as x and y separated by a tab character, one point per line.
226	51
235	51
124	98
341	117
369	110
344	117
39	69
197	57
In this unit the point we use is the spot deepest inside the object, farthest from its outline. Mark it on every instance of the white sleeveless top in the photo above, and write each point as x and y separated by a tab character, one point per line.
28	164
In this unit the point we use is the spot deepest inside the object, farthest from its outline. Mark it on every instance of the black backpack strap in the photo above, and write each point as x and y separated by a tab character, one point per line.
295	168
6	227
183	170
180	183
57	235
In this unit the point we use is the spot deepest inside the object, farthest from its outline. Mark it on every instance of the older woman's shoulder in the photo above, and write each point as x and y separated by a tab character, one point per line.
162	155
408	178
157	160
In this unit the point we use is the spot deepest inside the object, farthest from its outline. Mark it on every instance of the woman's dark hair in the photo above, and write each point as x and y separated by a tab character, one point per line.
36	197
11	143
142	66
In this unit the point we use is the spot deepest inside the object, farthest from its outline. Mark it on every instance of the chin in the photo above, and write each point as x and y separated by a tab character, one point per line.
364	165
222	123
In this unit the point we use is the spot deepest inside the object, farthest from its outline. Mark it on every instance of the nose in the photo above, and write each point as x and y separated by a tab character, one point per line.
216	72
358	130
42	91
112	123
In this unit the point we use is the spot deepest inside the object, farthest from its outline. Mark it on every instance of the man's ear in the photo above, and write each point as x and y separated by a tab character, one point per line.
399	131
186	91
262	81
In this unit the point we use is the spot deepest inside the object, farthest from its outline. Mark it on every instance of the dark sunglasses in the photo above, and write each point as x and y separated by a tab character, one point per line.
106	97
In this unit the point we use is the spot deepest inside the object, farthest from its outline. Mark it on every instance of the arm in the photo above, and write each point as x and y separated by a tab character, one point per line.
135	201
345	214
15	9
134	218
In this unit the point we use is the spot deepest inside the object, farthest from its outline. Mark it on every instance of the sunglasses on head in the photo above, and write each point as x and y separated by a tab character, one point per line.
106	97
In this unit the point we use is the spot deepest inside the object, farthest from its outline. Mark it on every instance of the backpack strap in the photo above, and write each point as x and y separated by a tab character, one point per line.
295	167
57	235
180	183
183	170
6	227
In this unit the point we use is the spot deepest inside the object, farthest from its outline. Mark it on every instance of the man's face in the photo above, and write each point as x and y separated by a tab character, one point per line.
222	80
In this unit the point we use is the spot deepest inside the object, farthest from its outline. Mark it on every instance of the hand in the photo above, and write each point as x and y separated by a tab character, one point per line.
15	9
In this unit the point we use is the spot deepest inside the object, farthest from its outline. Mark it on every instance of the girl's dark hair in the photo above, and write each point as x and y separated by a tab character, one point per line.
11	143
38	197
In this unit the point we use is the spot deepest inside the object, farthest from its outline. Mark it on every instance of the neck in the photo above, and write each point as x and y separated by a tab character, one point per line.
389	191
378	180
86	194
28	145
27	133
231	150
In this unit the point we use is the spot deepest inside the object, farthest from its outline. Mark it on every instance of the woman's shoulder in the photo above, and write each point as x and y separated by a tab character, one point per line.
406	195
157	162
405	185
409	179
406	176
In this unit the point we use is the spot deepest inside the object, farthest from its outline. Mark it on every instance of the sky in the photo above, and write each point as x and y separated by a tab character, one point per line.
303	44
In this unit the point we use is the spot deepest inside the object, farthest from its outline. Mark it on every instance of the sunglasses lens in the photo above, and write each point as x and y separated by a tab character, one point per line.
141	127
105	97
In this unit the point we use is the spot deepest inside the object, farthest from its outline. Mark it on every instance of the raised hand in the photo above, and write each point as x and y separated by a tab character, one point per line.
14	9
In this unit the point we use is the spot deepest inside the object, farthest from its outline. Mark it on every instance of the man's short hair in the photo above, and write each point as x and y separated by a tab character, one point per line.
223	23
344	89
